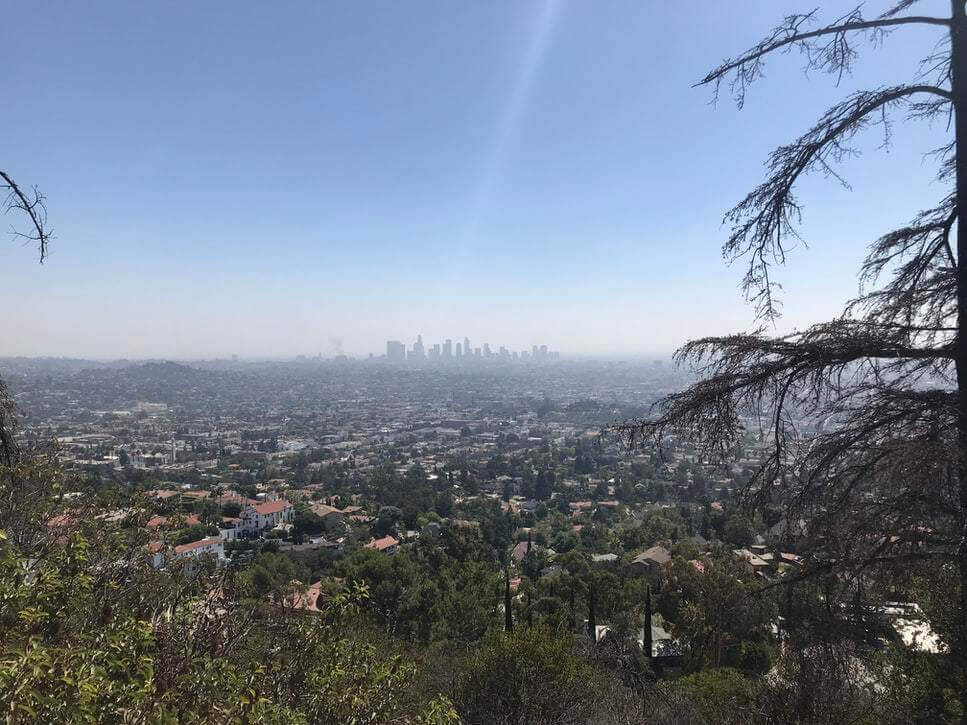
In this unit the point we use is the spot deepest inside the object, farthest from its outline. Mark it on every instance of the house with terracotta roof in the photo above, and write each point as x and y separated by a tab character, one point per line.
306	599
156	553
521	550
231	528
60	521
388	545
213	545
332	518
158	521
268	515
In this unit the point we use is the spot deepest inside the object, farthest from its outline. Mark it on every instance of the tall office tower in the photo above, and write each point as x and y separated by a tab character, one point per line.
467	350
448	349
395	351
476	352
435	352
418	353
543	351
534	351
459	350
504	352
486	349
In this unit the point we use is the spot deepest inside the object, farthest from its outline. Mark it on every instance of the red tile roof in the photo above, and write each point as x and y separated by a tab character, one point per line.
272	507
156	521
322	510
198	544
307	599
520	551
387	542
60	520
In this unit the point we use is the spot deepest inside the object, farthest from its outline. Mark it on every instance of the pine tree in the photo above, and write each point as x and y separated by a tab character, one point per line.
574	613
886	485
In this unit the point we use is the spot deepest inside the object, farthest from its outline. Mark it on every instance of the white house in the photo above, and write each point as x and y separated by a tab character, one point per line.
258	518
212	546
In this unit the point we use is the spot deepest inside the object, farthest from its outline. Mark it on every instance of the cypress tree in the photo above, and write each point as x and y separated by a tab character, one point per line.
574	614
508	611
646	639
530	612
592	624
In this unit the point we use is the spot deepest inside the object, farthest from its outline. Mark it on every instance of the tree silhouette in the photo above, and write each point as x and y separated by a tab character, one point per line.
882	483
30	205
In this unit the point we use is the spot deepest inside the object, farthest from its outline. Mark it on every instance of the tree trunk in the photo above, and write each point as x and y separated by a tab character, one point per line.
958	85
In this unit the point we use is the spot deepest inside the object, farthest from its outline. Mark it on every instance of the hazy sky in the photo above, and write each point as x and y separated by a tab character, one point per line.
280	178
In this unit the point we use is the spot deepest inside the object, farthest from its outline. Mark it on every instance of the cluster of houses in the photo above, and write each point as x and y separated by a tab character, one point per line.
253	520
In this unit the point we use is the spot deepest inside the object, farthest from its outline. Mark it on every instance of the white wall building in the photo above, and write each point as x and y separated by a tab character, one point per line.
258	518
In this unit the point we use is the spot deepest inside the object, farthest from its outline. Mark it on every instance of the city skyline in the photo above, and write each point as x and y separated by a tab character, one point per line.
447	350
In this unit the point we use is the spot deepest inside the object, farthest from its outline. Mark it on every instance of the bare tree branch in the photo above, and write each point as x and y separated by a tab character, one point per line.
763	222
34	208
836	56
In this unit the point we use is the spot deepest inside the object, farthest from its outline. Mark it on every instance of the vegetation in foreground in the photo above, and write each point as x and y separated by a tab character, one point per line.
93	633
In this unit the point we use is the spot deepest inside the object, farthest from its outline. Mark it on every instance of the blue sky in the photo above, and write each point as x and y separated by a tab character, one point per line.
278	178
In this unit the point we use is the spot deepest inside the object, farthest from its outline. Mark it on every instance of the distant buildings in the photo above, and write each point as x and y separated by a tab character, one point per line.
417	352
396	352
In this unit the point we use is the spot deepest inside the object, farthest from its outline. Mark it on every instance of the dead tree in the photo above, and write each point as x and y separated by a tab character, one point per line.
30	206
884	480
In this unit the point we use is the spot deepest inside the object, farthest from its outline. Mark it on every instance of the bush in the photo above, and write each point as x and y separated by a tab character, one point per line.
717	696
531	675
